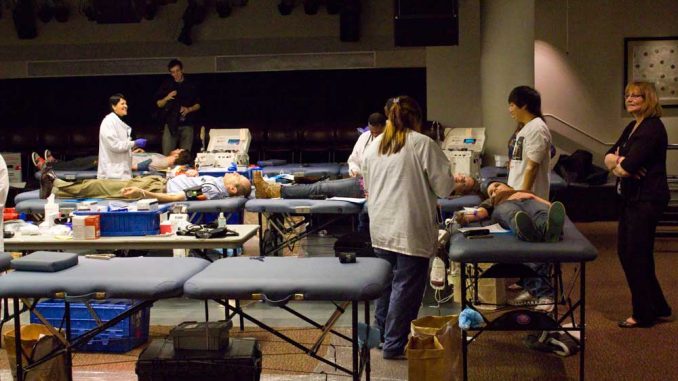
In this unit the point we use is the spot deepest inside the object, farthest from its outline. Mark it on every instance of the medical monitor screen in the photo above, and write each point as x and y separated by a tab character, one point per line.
233	141
470	141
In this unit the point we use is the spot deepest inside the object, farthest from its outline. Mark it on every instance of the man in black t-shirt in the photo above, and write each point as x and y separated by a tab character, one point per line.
177	101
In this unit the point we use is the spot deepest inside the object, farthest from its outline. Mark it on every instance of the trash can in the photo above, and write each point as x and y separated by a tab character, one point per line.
37	342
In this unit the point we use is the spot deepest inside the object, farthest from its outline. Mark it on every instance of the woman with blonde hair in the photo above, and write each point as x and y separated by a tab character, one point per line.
638	160
405	172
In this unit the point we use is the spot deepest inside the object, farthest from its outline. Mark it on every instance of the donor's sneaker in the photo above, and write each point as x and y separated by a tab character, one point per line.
523	299
555	222
38	162
438	274
544	304
525	229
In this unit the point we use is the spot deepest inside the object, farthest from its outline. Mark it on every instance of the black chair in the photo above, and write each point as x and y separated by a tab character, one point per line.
280	144
317	144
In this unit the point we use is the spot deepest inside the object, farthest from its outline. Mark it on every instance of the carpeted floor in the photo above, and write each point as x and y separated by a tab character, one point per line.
612	353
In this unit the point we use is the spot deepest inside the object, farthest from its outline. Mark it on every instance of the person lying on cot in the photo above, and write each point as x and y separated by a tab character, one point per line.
349	187
186	187
529	216
141	161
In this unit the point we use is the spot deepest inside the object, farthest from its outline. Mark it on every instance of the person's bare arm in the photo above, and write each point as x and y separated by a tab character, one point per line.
136	192
163	101
530	175
187	110
479	214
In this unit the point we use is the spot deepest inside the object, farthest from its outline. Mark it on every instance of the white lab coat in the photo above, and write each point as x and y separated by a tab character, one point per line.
356	158
403	191
115	149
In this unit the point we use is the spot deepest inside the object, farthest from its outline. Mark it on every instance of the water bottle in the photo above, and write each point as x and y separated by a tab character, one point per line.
221	220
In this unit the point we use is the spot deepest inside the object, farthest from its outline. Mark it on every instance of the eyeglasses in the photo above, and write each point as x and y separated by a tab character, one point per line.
633	96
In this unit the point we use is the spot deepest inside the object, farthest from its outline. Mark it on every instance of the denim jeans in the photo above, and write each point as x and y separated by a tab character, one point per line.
504	214
399	304
349	187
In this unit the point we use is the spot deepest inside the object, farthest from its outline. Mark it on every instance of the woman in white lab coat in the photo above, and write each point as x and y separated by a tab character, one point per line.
115	144
405	172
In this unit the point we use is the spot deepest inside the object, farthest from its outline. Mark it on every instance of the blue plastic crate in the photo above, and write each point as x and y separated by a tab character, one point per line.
124	223
122	337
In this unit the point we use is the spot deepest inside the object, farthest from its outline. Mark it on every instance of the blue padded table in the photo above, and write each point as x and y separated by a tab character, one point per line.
127	278
508	253
4	261
278	280
29	195
330	170
489	174
278	222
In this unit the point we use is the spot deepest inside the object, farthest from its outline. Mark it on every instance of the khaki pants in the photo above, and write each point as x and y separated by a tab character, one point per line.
106	188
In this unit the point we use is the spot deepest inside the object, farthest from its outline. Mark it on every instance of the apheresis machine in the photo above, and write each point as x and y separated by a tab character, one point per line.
226	146
464	148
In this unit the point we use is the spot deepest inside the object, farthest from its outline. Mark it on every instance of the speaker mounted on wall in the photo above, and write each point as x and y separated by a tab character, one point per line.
426	22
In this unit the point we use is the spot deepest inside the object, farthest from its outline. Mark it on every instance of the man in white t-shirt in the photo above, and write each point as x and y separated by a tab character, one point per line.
529	171
530	157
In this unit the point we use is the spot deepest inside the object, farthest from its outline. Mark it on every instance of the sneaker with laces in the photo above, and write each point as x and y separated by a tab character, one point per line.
523	299
437	274
38	162
48	155
555	222
544	304
525	229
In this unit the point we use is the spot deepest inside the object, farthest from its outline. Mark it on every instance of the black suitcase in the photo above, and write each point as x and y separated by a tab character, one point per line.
240	362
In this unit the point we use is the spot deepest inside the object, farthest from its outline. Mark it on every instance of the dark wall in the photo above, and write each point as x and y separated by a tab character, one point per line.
295	96
307	116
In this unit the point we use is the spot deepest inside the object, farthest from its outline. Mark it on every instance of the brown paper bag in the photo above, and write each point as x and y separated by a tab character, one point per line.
36	342
434	349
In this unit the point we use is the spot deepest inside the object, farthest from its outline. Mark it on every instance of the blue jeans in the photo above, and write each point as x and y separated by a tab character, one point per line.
330	188
504	214
399	304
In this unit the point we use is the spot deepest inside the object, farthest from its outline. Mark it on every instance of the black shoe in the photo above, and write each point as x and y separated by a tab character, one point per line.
525	229
555	222
47	182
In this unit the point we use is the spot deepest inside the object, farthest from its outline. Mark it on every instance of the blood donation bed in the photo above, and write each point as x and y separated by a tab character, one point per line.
88	175
508	253
127	278
330	170
282	230
279	280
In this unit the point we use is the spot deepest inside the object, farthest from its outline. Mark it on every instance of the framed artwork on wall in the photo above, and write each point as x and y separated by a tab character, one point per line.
653	59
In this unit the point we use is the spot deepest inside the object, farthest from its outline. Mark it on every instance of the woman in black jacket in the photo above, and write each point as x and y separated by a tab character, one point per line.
638	160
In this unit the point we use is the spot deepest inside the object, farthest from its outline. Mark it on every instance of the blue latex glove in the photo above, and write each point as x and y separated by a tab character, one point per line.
470	318
141	142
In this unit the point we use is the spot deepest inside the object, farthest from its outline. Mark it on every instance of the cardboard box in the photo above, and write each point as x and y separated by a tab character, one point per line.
490	290
86	227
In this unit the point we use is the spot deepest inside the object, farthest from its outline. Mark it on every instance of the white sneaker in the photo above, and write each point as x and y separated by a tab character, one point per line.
438	274
544	304
523	299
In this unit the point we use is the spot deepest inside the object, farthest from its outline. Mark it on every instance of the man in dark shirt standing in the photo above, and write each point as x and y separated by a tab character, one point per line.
178	102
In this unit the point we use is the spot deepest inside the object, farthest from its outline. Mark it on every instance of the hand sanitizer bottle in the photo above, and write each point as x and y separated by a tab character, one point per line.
221	220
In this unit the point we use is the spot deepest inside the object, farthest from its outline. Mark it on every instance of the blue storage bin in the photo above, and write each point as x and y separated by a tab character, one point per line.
125	223
122	337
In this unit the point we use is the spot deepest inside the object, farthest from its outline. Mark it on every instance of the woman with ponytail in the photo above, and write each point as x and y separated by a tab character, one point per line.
405	173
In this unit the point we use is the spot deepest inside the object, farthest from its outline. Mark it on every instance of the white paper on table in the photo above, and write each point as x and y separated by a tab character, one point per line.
348	199
494	229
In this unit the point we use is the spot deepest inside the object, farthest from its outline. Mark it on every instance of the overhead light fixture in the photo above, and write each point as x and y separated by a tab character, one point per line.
193	15
223	8
310	7
285	7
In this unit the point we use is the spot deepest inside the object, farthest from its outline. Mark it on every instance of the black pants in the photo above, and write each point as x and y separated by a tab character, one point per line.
635	247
